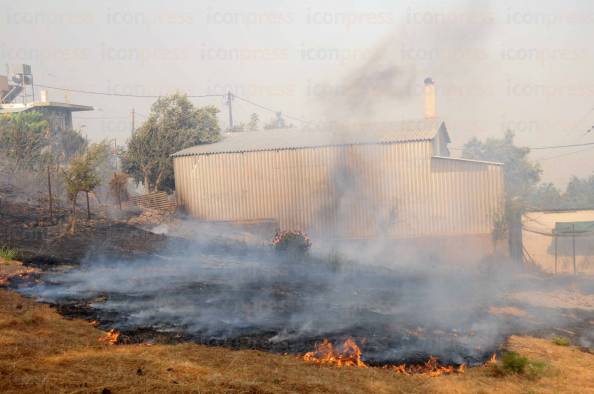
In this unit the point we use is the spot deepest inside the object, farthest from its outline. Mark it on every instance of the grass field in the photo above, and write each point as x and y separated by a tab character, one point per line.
40	351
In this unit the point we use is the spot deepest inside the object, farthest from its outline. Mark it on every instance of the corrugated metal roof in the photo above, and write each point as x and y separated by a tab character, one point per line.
335	134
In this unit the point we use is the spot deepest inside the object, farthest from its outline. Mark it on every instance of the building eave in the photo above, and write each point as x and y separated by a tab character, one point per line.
468	160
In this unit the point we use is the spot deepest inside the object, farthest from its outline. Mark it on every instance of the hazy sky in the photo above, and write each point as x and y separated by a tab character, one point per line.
521	65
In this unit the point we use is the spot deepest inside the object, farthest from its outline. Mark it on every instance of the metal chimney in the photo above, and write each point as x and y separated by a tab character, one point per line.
430	99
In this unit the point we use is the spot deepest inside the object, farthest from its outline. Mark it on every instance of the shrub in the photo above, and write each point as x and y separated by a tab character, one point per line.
561	341
514	363
7	253
291	241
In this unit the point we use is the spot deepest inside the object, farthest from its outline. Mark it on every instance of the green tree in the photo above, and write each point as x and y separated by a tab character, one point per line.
81	175
545	196
520	177
253	123
23	139
173	124
579	193
67	144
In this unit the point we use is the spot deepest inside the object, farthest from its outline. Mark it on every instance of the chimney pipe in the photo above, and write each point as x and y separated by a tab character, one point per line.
430	99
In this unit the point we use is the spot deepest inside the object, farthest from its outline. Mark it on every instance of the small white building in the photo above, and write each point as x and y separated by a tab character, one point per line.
559	241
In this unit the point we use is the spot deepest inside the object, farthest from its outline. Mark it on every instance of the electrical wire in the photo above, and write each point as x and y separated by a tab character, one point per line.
560	146
189	96
121	94
271	110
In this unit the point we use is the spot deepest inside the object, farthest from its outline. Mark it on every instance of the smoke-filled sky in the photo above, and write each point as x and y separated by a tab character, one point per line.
520	65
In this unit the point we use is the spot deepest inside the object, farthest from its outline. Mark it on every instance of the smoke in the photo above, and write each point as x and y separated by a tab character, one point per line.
386	82
219	290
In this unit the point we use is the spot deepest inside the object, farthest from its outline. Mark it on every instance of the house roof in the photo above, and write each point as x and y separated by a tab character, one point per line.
331	135
18	107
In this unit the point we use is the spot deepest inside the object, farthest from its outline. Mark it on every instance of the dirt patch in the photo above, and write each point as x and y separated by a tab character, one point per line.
507	310
40	349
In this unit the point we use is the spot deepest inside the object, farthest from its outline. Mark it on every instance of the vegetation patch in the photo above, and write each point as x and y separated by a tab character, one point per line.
561	341
8	254
513	363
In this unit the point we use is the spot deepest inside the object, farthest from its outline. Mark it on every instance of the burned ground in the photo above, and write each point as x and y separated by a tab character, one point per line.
41	350
251	298
41	241
215	291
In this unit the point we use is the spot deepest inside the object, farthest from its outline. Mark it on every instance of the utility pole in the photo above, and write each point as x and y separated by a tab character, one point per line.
573	247
49	189
133	128
229	102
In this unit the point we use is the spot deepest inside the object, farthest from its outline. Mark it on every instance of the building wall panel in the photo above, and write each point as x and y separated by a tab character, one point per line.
356	191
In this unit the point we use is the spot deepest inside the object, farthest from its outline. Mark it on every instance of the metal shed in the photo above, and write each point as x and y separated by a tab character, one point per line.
395	180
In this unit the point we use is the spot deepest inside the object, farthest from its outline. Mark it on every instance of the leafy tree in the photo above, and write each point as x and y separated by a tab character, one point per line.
253	123
173	124
67	144
545	196
81	176
118	188
23	137
579	193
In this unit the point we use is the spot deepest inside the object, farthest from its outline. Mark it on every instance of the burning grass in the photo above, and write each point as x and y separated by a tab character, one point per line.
39	350
348	354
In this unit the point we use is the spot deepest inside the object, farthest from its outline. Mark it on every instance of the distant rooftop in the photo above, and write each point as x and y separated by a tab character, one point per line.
334	134
19	107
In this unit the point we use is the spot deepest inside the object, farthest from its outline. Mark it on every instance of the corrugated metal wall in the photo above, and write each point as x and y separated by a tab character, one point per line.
356	191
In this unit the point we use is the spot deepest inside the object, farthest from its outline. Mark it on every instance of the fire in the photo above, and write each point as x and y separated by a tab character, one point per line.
349	354
431	368
110	337
492	360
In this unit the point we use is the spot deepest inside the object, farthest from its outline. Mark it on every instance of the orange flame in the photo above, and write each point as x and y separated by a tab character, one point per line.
492	360
110	337
325	353
350	355
431	368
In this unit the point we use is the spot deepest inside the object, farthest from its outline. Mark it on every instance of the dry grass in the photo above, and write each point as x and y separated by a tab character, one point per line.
42	352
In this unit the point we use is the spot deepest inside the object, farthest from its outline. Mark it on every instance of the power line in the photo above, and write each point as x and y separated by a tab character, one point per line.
566	154
560	146
271	110
121	94
542	147
189	96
